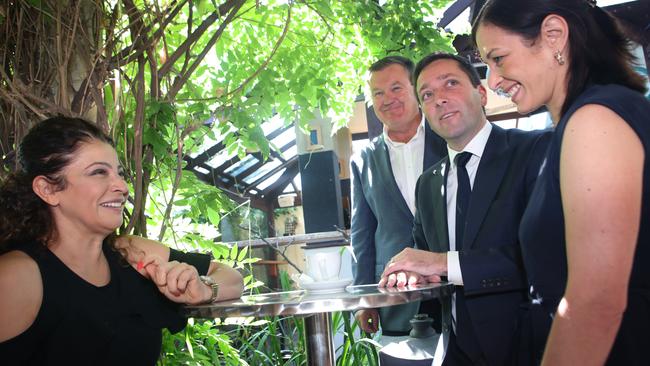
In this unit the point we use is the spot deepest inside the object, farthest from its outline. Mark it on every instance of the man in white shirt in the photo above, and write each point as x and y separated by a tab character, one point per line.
383	185
469	207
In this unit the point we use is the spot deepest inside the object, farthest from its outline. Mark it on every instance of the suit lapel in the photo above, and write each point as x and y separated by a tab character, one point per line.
490	173
429	154
440	206
385	168
435	148
438	228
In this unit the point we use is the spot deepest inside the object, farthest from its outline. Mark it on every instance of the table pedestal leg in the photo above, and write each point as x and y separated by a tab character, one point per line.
318	334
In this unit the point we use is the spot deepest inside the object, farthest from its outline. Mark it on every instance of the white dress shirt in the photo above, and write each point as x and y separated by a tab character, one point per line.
476	147
406	161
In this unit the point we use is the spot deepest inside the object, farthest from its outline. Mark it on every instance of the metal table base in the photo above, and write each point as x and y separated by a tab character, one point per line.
318	337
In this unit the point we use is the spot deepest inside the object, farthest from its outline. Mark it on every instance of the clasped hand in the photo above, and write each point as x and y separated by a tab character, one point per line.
179	282
412	267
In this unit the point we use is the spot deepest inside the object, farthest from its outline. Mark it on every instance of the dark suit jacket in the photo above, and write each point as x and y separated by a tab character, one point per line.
490	257
381	220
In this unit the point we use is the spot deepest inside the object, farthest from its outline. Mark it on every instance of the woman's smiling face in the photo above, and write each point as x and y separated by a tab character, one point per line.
523	70
95	191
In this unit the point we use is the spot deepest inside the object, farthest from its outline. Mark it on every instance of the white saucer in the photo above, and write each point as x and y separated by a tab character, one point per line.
325	286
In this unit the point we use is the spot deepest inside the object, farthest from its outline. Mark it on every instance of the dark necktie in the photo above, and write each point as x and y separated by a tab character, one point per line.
464	332
462	196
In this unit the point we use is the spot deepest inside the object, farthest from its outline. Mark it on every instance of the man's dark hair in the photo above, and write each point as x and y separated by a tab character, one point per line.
463	63
393	60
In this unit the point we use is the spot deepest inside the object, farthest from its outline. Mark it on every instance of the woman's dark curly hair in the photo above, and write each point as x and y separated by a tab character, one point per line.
45	151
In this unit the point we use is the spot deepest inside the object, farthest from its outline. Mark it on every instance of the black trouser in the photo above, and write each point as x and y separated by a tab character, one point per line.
456	357
434	310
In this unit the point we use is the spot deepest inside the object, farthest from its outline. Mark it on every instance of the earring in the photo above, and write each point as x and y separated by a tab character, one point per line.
559	58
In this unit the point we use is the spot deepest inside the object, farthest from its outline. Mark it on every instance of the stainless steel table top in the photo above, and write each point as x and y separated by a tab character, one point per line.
304	302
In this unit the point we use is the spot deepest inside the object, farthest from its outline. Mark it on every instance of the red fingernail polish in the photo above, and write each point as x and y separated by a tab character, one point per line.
140	265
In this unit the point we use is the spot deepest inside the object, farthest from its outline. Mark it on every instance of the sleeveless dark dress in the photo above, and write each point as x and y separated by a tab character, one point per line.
82	324
542	237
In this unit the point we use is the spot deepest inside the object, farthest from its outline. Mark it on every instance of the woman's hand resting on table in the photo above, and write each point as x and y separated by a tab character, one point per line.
179	282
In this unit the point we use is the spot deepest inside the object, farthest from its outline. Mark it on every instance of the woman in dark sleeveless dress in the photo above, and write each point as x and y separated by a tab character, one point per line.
72	293
586	231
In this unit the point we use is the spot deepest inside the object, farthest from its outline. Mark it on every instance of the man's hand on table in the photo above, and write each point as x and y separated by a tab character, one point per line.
368	320
404	278
414	266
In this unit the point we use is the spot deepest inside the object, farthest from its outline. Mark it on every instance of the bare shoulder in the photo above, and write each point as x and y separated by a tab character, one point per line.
21	287
597	130
594	118
17	269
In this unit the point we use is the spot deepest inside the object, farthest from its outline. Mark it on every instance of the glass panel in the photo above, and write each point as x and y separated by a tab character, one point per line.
289	187
242	165
220	158
298	182
284	138
273	124
201	170
290	152
270	180
270	165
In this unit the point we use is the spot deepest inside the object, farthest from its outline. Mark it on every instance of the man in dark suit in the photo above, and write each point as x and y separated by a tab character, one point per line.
383	185
469	206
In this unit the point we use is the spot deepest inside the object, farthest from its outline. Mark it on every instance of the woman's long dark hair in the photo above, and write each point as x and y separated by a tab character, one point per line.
45	151
600	52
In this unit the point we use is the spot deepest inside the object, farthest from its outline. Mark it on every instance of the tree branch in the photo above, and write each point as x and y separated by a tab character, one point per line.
198	32
177	183
138	32
61	66
21	94
275	248
268	59
138	127
327	24
188	53
180	80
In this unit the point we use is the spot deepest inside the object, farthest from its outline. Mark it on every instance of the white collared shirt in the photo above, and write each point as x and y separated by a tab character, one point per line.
476	146
406	161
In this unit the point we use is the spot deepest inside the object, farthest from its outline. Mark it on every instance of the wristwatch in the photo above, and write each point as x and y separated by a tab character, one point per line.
213	285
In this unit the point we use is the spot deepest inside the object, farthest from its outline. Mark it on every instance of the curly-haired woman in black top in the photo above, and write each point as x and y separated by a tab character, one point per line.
72	291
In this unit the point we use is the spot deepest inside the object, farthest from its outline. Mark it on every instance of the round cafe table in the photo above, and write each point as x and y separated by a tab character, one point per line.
317	308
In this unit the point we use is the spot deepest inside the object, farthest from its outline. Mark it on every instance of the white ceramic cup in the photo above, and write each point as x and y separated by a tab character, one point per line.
323	264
